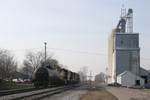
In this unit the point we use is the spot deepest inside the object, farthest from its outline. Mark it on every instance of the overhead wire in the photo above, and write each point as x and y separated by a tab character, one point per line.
78	51
67	50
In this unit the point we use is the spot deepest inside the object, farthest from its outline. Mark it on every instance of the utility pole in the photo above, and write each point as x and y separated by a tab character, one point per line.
90	77
45	53
106	75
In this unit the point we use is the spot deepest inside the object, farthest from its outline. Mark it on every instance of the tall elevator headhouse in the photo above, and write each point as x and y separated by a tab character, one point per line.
124	52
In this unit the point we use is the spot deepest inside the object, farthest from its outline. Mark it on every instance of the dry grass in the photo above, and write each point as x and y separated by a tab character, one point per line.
97	94
8	86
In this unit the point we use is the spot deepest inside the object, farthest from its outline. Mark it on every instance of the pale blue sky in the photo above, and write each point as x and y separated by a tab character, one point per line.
79	25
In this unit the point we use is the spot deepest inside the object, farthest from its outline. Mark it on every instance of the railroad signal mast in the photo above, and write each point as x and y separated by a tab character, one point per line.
90	77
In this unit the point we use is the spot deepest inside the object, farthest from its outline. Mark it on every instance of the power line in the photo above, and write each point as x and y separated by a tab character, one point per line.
24	49
87	52
78	51
67	50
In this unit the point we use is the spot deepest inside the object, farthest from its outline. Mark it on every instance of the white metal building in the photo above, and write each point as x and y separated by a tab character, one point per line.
128	78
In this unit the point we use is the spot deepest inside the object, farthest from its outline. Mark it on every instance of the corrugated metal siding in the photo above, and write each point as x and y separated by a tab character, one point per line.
128	79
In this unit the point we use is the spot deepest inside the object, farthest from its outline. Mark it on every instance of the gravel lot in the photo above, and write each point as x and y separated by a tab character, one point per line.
85	92
70	94
98	92
128	94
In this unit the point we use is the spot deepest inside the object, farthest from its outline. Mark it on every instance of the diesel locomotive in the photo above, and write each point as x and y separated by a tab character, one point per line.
49	76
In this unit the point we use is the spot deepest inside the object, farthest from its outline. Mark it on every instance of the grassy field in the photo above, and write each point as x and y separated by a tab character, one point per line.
8	86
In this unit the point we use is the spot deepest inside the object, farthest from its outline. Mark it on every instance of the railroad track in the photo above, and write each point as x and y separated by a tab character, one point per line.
15	91
8	92
38	94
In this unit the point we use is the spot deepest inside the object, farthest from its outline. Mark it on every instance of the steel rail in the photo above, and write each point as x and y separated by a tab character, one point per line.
39	93
14	91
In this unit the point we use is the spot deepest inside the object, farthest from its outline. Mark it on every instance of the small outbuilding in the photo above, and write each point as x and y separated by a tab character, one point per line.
144	74
128	78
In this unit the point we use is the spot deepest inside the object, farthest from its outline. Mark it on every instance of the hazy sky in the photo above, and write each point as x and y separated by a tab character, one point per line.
77	25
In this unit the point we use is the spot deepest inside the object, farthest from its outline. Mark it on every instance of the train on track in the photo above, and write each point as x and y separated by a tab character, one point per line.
49	76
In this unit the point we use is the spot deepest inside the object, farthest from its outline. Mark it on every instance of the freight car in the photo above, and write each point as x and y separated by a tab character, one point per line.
49	76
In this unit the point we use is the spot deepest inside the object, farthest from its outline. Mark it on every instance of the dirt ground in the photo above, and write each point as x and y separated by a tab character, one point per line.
98	93
84	92
129	94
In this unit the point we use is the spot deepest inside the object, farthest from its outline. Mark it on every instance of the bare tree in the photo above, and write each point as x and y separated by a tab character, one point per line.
63	66
8	65
52	62
34	60
83	73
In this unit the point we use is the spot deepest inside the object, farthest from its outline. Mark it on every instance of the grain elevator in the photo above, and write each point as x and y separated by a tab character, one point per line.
124	53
